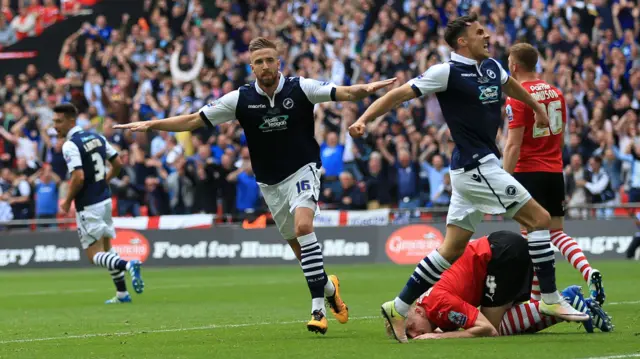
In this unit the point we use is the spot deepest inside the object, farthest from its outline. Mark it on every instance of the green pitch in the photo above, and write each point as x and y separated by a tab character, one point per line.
221	312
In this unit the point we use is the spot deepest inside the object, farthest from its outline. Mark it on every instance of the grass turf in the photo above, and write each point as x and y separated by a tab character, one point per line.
260	312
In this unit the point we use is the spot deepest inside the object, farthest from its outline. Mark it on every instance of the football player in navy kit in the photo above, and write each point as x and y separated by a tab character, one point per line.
469	90
86	155
276	113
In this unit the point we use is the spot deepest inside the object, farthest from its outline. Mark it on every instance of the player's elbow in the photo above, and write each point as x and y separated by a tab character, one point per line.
486	330
78	176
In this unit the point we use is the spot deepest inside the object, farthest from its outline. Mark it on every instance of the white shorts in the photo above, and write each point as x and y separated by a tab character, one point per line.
95	222
488	189
301	189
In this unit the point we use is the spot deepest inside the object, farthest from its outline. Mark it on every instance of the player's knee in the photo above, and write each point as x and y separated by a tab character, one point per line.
303	228
452	250
541	220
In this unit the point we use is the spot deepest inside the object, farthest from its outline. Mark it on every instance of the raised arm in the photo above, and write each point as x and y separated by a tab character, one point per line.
435	79
213	114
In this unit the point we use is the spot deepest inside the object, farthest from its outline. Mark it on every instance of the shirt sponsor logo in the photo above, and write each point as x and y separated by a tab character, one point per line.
258	106
469	74
488	94
274	123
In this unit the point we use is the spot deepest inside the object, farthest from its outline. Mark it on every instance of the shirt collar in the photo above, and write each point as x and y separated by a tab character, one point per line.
462	59
73	131
280	86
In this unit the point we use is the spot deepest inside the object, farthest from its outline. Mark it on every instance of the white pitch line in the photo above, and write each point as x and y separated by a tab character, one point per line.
621	303
169	330
622	356
169	286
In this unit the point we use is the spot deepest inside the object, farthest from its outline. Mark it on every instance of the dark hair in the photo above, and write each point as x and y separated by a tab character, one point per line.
525	55
598	159
456	28
260	43
66	109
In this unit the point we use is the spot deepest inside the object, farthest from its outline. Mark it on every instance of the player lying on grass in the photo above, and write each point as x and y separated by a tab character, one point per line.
494	273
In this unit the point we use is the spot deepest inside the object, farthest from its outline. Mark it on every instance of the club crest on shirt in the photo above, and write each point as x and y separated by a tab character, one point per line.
509	112
287	103
458	319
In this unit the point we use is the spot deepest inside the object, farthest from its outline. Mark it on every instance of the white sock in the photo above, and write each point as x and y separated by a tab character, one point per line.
318	304
122	294
329	288
401	306
552	298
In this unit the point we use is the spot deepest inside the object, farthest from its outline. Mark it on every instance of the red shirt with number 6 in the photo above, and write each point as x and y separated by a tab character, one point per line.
541	149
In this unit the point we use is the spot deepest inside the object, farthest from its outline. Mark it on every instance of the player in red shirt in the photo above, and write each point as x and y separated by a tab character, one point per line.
534	157
494	273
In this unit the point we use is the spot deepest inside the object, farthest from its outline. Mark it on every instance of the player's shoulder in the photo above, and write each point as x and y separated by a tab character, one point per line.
69	145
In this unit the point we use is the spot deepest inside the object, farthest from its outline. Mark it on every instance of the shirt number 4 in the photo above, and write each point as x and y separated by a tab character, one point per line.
554	111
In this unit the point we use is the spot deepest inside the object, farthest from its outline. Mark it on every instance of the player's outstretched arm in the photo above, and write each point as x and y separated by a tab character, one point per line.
358	92
172	124
481	328
435	79
384	104
513	89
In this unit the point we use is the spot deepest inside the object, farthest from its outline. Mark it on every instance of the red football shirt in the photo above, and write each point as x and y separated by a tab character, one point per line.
452	303
541	148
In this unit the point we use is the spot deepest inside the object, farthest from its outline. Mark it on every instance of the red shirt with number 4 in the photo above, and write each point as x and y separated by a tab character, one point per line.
453	301
541	147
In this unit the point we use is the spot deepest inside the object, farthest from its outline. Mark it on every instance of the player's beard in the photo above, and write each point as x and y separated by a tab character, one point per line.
268	79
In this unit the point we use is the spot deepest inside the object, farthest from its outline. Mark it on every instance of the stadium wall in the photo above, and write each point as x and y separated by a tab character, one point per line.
235	246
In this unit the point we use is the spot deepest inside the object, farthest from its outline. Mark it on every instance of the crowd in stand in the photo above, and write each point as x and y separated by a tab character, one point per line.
185	53
20	19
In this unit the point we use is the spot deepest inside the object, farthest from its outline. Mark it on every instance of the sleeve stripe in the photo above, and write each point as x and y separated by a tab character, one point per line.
416	90
113	157
333	94
206	120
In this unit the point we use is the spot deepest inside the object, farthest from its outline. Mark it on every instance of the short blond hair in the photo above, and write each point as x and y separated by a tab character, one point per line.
260	43
525	55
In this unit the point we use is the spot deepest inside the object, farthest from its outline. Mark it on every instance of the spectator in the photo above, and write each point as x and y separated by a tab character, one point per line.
377	183
352	196
247	190
435	173
45	183
575	176
24	24
598	184
181	186
7	33
19	194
